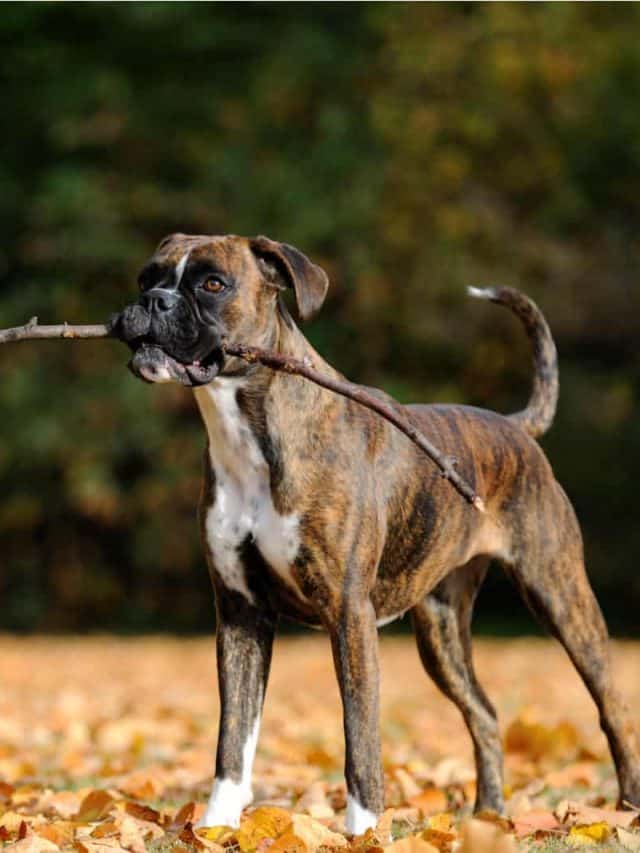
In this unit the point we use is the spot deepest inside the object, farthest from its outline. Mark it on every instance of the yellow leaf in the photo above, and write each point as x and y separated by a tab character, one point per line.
219	834
314	834
440	822
594	833
264	822
580	841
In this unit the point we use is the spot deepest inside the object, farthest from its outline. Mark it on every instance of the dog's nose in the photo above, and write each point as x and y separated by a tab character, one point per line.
159	300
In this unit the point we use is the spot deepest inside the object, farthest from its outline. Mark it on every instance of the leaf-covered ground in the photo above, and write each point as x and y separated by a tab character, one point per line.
107	744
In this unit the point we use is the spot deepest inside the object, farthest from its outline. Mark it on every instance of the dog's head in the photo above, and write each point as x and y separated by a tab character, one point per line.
198	292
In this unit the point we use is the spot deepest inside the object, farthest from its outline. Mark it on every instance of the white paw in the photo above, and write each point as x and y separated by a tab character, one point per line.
358	819
226	803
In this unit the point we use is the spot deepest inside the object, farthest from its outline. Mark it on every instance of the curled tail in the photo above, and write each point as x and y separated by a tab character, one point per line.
537	417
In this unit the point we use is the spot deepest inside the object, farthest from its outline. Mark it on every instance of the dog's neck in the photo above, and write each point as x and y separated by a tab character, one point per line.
260	407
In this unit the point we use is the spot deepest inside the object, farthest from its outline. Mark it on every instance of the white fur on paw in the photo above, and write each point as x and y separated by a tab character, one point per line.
358	818
225	804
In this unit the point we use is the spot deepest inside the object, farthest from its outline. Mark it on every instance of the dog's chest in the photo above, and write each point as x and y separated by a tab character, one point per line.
242	509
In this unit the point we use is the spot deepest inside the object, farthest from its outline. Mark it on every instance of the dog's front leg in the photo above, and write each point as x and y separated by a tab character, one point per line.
354	641
244	640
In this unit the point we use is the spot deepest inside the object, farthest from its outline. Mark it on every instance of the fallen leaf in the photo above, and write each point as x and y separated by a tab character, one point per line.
490	816
629	840
570	812
182	817
105	829
189	837
581	773
11	821
288	842
430	801
134	833
382	831
315	834
86	844
6	792
265	822
442	841
142	812
478	836
32	844
143	784
61	832
408	785
314	801
217	834
411	844
534	821
211	846
536	740
96	805
441	822
592	833
451	771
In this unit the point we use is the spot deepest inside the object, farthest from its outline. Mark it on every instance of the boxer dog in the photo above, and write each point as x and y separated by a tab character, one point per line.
317	509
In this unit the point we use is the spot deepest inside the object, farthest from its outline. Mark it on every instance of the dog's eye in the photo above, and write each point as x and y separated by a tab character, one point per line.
213	284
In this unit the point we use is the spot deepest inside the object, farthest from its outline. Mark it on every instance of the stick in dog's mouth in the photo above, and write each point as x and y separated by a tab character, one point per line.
274	360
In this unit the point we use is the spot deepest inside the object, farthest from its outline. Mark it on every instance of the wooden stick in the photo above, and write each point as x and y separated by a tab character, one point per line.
33	331
394	414
277	361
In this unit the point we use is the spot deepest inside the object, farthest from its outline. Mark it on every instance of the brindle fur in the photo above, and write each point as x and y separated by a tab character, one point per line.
381	533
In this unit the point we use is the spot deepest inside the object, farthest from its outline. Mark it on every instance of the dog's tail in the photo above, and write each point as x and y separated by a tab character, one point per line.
538	416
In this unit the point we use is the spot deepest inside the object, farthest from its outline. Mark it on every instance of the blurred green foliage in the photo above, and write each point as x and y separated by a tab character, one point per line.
412	149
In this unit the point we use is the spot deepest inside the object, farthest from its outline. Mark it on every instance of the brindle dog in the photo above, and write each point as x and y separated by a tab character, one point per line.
319	510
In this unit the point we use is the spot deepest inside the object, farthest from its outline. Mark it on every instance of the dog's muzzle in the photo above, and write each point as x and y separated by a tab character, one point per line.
168	344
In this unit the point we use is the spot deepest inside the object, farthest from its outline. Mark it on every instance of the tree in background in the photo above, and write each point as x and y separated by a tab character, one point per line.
412	149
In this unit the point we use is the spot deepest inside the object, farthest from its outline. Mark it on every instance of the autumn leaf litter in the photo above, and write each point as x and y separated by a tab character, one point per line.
107	745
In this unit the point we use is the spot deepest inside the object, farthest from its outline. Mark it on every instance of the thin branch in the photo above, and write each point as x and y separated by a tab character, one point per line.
33	331
277	361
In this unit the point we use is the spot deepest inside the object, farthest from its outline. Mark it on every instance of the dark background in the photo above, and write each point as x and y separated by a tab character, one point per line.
412	149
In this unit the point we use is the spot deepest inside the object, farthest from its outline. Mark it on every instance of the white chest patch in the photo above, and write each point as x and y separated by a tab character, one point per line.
243	506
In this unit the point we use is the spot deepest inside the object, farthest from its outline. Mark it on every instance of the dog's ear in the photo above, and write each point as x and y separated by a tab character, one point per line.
283	263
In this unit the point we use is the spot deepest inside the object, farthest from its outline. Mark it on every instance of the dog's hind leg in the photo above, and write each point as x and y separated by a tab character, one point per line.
552	578
443	631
